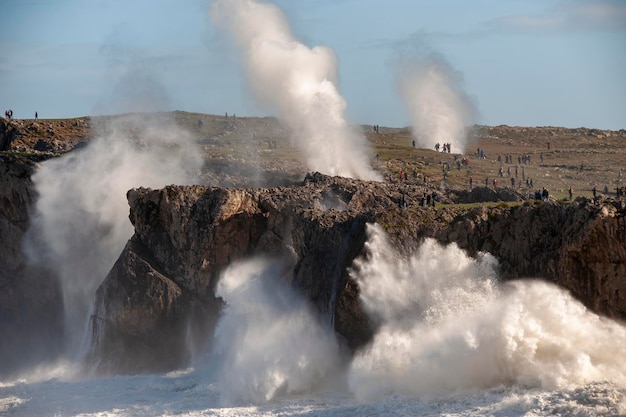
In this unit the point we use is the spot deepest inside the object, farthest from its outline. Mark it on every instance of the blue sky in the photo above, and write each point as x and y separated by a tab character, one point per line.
523	62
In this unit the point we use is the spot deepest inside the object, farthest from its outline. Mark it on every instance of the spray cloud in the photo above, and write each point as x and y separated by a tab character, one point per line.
81	220
432	91
268	341
447	325
301	83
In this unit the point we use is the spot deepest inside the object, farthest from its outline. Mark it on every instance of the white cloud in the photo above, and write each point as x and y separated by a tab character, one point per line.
565	16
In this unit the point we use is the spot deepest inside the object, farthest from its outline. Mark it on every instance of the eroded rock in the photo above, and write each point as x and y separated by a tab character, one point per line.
188	235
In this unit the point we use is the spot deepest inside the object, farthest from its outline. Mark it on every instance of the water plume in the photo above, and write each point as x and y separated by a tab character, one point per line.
439	110
301	83
447	325
80	224
268	341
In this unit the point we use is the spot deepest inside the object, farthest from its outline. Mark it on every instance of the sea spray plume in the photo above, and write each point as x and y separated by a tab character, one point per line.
439	109
267	340
81	220
301	83
395	290
446	325
132	80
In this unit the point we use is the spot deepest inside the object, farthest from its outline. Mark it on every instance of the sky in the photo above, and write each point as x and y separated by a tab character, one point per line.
522	62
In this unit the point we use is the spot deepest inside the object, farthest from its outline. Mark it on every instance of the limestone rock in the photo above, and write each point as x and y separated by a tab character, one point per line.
185	236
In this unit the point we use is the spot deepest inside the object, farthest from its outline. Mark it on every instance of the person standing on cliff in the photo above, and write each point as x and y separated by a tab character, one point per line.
36	116
570	193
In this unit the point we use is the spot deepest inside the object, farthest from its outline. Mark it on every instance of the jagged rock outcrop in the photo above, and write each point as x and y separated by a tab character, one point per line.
190	234
163	284
579	246
484	194
30	307
43	139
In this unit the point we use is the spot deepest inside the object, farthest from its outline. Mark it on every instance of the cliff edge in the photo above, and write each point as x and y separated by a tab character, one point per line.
160	293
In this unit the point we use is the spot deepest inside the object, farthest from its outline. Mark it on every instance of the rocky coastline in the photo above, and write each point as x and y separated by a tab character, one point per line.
157	306
185	236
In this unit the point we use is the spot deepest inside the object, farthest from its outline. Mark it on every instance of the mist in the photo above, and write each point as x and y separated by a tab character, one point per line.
432	90
446	324
268	341
300	83
80	224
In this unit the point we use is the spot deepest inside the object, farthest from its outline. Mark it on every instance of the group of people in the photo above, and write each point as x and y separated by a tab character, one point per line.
461	161
403	176
542	195
428	200
619	191
521	159
529	182
445	148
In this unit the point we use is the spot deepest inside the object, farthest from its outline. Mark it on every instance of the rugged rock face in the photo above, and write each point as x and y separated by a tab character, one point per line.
157	303
43	139
579	246
163	284
188	235
30	307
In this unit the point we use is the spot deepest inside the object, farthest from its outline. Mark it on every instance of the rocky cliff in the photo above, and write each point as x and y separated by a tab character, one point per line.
30	302
43	139
161	290
157	304
580	246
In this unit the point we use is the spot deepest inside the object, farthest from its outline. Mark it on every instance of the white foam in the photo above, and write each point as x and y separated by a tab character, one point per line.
193	396
452	340
447	326
268	341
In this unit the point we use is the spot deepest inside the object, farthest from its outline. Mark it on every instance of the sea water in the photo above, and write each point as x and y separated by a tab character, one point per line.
451	340
189	393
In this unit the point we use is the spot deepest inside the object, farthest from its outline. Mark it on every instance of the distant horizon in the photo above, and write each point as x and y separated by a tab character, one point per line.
408	126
